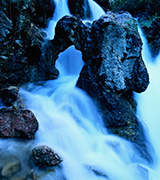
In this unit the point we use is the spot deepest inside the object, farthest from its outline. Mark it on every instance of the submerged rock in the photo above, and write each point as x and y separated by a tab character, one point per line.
44	157
10	167
16	123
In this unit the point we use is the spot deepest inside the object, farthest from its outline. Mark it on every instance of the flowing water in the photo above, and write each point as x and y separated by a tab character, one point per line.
70	124
149	105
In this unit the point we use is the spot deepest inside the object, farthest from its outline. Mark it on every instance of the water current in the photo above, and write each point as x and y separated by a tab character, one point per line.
70	124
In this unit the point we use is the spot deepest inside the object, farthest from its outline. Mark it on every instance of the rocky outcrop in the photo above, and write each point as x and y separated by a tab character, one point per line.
9	95
146	12
150	25
21	40
44	157
111	49
80	8
16	123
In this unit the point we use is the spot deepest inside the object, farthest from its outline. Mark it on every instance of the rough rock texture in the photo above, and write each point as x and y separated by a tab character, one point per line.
21	40
9	95
146	12
150	26
44	157
111	49
80	8
17	123
113	72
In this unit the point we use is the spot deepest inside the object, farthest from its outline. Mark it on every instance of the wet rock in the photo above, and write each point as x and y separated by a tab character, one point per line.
16	123
111	50
80	7
105	4
21	40
11	167
5	26
148	16
9	95
44	157
150	25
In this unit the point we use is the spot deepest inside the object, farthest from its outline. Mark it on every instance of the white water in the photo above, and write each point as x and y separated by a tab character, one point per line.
61	9
70	124
149	105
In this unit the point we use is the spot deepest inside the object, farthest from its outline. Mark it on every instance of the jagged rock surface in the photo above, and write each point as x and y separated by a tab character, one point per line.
111	49
80	8
16	123
21	40
9	95
44	156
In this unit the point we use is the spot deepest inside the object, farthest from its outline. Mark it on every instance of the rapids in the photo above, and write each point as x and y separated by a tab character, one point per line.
70	124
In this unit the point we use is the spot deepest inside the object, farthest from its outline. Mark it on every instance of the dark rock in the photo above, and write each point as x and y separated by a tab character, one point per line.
150	26
44	157
21	24
105	4
114	70
148	14
5	26
111	49
80	7
9	95
16	123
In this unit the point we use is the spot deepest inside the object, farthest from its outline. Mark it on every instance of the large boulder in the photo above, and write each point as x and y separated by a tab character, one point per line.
113	70
16	123
111	50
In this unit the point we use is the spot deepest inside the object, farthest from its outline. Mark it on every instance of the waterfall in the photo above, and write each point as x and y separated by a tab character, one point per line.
70	124
61	9
149	103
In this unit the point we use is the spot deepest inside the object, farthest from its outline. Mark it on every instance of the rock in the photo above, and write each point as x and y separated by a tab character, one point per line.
5	26
148	16
111	50
105	4
21	40
16	123
150	26
80	7
44	157
11	167
113	72
9	95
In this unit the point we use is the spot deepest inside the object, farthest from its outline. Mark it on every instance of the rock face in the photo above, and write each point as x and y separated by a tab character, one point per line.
44	157
17	123
113	72
9	95
148	14
111	49
80	8
21	40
